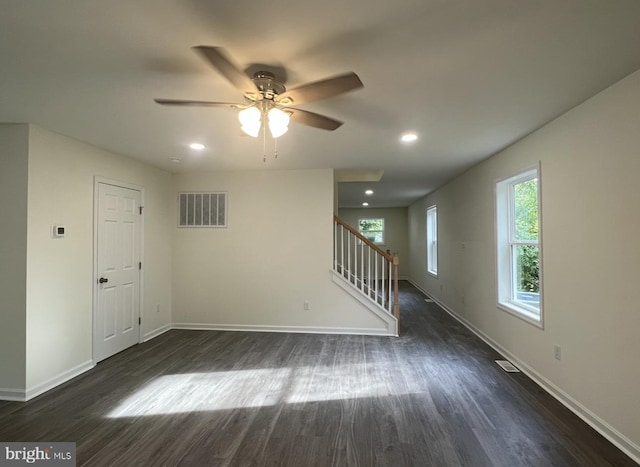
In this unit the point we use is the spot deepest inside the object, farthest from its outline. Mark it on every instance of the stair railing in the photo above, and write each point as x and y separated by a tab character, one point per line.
366	266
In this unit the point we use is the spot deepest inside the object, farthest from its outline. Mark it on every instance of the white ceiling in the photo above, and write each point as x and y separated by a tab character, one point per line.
469	76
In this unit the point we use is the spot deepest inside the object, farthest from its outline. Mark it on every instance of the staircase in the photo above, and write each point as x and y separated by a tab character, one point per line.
367	272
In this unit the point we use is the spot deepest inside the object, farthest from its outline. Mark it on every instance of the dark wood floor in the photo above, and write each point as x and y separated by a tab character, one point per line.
433	397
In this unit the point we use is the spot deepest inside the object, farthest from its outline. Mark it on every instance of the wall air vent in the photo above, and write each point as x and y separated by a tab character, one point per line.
202	209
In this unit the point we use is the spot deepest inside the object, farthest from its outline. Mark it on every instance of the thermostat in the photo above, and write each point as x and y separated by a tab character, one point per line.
58	231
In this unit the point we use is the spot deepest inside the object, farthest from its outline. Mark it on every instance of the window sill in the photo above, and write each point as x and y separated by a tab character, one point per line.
432	274
522	313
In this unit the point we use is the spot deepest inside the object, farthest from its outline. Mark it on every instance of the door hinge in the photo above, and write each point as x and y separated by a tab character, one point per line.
141	208
139	320
140	265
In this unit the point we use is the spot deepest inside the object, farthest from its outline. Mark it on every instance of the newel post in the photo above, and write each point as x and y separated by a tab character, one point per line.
396	300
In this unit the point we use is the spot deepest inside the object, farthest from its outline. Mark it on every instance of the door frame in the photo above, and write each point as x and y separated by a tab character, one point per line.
97	180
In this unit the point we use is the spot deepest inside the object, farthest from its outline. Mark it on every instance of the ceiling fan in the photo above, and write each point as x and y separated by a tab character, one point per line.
267	98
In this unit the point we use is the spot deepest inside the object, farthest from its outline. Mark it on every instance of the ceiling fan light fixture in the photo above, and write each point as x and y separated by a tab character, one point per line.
277	131
249	116
250	121
252	130
278	122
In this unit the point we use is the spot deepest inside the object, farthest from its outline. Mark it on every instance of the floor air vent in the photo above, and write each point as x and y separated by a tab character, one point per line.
428	300
507	366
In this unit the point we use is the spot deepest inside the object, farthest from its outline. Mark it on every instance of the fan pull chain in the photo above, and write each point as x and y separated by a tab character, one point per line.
275	148
264	143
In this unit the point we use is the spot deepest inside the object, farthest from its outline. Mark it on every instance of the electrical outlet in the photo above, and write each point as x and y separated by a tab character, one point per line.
158	308
462	299
557	352
306	306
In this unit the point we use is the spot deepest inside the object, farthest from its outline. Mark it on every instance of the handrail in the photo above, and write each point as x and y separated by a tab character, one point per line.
386	255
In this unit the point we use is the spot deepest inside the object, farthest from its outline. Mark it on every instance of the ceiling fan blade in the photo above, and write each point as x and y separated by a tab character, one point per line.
313	119
198	103
321	89
221	61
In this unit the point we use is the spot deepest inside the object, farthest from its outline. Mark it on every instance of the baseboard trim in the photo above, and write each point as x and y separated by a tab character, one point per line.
63	377
28	394
285	329
614	436
421	290
8	394
156	332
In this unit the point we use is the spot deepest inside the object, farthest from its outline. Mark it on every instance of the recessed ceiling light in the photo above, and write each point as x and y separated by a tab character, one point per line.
408	137
175	160
197	146
365	204
368	192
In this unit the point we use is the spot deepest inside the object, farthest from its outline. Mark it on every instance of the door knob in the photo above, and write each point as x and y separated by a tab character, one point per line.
102	280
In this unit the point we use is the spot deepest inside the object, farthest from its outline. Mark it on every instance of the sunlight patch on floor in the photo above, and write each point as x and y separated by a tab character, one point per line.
195	392
198	392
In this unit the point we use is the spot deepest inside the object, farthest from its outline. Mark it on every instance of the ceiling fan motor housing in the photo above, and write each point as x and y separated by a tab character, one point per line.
267	84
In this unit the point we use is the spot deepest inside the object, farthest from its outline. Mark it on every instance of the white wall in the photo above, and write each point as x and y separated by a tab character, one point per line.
13	256
396	236
590	229
276	253
60	271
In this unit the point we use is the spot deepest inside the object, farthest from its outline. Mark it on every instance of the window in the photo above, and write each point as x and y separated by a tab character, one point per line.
372	229
518	245
432	240
202	209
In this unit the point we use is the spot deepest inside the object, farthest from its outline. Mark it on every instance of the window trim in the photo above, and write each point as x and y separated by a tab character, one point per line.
432	258
504	258
384	228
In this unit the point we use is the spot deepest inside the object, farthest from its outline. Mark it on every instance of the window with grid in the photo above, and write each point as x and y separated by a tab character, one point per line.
432	240
372	229
518	245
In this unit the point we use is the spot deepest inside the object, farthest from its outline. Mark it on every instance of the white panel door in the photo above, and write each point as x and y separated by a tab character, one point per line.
116	318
